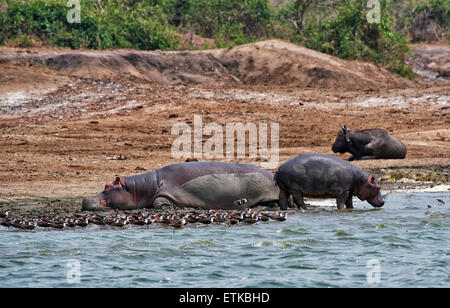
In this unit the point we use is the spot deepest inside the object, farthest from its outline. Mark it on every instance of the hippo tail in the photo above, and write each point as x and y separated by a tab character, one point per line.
275	177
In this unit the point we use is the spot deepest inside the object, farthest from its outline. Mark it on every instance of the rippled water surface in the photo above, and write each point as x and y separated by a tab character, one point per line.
319	248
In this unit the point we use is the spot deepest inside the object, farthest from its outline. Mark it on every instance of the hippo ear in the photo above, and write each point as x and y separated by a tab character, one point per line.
344	128
374	183
119	181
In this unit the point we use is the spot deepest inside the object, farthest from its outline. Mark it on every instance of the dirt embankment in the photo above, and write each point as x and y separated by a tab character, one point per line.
270	62
280	63
72	120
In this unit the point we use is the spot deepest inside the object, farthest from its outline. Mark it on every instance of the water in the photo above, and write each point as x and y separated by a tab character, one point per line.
319	248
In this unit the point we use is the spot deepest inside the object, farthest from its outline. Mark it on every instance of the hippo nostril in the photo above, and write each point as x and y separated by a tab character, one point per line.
380	203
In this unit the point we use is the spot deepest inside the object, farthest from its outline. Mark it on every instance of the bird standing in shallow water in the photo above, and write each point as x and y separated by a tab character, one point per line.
252	217
120	222
177	220
58	224
177	223
44	223
29	224
82	223
281	216
5	214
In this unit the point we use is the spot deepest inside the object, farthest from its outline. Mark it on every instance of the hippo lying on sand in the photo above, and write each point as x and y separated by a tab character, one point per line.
209	185
324	176
368	144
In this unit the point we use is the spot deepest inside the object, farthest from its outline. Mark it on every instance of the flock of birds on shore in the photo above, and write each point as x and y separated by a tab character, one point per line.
121	220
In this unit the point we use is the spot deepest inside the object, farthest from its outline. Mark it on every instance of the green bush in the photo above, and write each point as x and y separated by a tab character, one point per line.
114	26
431	21
439	10
337	27
237	21
350	36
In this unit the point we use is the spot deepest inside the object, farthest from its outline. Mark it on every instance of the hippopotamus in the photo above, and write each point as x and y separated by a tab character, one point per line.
325	176
368	144
208	185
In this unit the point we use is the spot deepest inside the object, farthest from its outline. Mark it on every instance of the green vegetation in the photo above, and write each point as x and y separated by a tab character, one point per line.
437	14
422	20
103	25
336	27
349	35
230	22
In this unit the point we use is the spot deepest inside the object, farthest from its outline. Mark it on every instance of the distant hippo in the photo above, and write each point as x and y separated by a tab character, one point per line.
324	176
208	185
368	144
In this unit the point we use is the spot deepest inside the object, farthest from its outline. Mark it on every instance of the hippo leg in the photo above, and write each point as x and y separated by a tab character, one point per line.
341	200
283	199
159	202
349	201
298	200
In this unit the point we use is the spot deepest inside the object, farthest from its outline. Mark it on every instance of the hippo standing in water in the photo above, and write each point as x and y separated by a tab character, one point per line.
209	185
368	144
324	176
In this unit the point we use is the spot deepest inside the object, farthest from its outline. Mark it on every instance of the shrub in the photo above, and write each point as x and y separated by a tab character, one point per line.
430	21
238	21
350	36
337	27
142	27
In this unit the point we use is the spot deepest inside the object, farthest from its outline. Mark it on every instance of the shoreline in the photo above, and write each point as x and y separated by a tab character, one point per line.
70	206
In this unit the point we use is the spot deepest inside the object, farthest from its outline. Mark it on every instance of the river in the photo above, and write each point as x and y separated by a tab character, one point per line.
404	244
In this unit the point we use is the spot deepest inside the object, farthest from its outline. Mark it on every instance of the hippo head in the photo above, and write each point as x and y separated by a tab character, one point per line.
369	190
115	195
342	142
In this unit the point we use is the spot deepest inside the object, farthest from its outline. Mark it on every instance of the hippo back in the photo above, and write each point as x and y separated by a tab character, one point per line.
215	184
316	175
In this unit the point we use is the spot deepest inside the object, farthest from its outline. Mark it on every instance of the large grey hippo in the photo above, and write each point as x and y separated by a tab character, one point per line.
324	176
368	144
208	185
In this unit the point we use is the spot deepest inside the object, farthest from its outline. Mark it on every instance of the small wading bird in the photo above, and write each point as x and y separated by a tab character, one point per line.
5	214
281	216
29	224
177	220
177	223
58	223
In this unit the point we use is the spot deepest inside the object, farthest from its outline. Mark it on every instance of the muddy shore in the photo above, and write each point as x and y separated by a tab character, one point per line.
392	180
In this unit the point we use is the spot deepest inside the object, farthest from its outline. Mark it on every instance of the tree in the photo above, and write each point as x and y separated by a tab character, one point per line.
300	7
